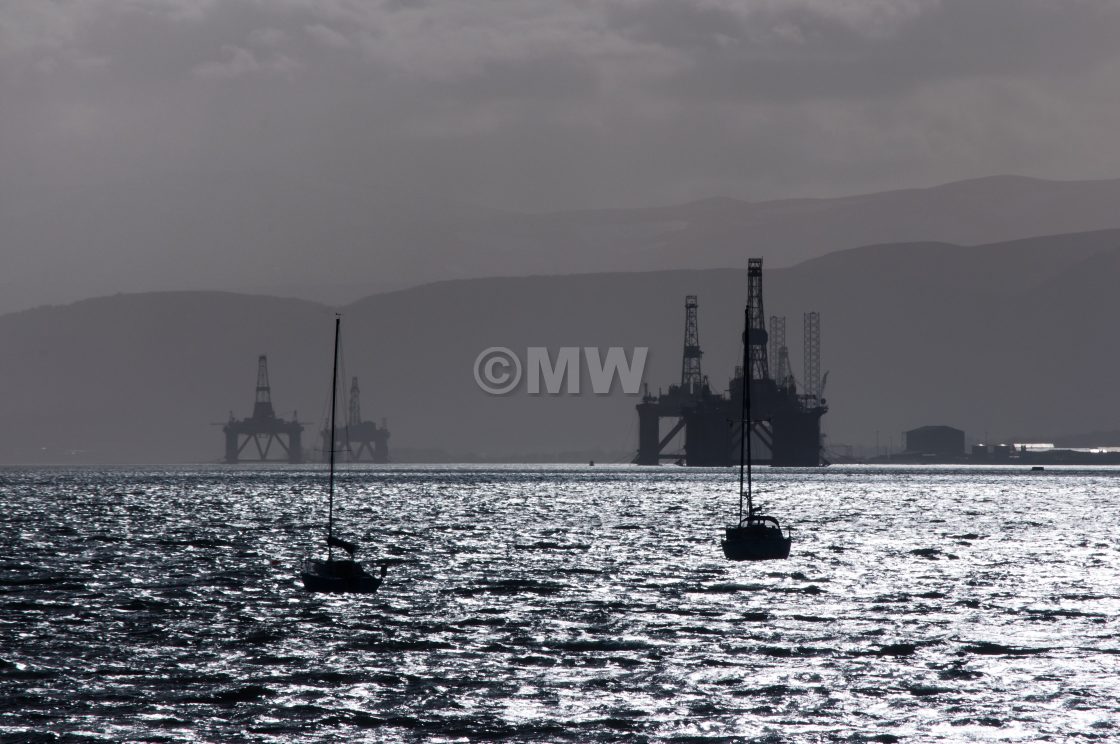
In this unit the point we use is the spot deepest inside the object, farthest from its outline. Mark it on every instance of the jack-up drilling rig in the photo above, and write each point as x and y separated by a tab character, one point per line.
263	428
785	423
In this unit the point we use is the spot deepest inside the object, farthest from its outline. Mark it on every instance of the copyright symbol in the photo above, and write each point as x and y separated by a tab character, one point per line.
497	370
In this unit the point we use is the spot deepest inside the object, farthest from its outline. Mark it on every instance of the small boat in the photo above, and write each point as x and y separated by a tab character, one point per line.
337	575
757	536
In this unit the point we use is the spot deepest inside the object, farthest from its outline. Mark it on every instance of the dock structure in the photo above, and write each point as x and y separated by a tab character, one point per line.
786	423
274	439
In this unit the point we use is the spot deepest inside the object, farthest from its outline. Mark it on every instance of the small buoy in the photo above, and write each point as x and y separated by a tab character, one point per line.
591	464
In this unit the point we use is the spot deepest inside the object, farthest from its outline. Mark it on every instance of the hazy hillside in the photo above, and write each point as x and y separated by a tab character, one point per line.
1004	338
335	245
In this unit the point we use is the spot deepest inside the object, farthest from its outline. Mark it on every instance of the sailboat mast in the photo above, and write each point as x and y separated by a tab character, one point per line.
330	482
748	379
745	418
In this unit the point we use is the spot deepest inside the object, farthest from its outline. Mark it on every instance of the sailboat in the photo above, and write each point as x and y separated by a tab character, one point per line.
337	575
756	537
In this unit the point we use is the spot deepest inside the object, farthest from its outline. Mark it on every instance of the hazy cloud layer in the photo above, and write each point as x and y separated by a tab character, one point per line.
212	111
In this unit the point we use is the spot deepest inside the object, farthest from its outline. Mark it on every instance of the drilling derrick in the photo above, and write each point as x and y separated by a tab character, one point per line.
355	416
813	357
779	352
777	340
764	393
691	377
756	322
362	441
263	428
262	408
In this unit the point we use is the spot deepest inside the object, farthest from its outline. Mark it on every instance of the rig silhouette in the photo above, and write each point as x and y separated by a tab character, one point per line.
785	421
280	440
358	441
263	428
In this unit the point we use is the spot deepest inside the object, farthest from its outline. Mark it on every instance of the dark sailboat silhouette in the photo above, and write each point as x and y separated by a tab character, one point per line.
757	537
344	575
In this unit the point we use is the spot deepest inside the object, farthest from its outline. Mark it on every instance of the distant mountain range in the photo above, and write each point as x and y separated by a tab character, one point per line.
319	242
996	339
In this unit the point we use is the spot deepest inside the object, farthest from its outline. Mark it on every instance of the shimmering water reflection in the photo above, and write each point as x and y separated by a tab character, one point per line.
560	604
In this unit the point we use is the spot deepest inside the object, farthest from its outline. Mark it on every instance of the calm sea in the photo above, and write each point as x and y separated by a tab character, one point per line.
560	604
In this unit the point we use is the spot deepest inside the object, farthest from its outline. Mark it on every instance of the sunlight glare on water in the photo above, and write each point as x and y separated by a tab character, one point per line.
560	604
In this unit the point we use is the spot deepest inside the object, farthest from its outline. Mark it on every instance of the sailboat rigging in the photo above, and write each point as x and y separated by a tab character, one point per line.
344	575
757	536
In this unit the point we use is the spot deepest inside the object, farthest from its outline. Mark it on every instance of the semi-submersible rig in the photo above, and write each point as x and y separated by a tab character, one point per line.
356	441
787	422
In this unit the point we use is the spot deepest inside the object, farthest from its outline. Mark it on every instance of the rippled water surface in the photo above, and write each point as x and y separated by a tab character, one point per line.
560	604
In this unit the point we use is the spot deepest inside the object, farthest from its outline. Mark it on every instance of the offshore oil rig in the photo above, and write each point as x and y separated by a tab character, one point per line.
786	422
263	428
358	441
280	440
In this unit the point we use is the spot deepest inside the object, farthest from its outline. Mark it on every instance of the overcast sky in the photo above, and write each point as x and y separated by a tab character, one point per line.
527	104
548	104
